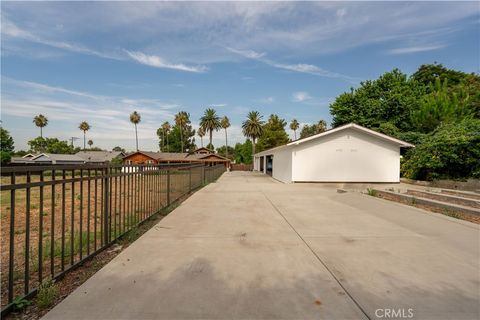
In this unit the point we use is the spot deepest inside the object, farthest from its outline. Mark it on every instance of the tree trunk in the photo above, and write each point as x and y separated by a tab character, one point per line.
295	133
253	148
211	133
201	141
84	137
167	144
226	144
41	132
136	137
181	138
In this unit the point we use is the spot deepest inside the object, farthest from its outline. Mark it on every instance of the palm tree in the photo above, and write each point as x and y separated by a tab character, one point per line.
321	126
166	131
210	121
40	121
161	132
90	143
253	127
201	134
135	119
225	123
181	120
84	126
294	125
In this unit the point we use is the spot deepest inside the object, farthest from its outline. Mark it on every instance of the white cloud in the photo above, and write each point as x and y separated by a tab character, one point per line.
108	115
341	12
299	67
159	62
300	96
51	89
9	29
416	49
247	53
266	100
193	34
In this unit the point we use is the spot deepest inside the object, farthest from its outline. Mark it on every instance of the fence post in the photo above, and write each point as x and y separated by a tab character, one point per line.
106	232
168	187
190	180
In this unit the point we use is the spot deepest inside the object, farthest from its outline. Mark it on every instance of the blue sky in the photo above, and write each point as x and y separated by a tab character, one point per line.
98	61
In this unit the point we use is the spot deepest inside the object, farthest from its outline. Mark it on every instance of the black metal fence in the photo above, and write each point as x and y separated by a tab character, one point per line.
55	217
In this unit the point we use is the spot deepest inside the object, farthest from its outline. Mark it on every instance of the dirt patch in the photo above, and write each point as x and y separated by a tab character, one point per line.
73	279
450	213
65	220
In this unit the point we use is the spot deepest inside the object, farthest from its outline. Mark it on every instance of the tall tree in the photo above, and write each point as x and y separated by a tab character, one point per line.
201	134
40	121
50	145
210	121
181	120
6	146
274	133
321	126
253	127
294	125
84	126
390	98
135	118
313	129
166	130
161	135
428	74
441	106
6	141
225	123
118	149
228	154
243	152
90	143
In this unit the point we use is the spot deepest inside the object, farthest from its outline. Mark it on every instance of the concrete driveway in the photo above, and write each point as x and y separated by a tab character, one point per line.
248	247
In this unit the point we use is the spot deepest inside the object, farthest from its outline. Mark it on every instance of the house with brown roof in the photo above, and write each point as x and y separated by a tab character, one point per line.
201	155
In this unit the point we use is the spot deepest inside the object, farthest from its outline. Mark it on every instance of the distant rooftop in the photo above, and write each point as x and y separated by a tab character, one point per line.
99	156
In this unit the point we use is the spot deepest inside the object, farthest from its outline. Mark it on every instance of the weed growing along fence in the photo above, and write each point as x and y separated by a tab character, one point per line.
55	217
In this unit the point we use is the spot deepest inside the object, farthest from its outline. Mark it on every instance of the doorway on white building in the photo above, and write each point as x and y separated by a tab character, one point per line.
262	163
269	164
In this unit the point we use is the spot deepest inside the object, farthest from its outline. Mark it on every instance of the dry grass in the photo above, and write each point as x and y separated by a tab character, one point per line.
79	218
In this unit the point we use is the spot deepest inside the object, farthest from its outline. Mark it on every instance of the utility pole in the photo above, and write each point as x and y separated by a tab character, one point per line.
73	139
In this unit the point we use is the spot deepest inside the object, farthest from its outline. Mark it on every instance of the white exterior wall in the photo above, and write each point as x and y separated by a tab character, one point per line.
282	165
256	163
346	156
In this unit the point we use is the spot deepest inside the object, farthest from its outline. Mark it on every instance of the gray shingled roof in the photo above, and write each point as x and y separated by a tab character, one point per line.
177	156
59	157
99	156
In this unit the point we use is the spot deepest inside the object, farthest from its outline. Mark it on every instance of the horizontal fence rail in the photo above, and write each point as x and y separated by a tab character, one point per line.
241	167
53	218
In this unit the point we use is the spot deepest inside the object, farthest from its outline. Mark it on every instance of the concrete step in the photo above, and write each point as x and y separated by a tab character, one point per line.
445	198
409	199
465	194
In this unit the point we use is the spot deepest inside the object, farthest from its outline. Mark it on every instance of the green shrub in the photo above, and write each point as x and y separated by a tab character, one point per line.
20	303
47	293
372	192
5	157
451	152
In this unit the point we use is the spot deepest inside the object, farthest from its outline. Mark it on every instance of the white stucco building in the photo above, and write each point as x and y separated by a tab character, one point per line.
350	153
